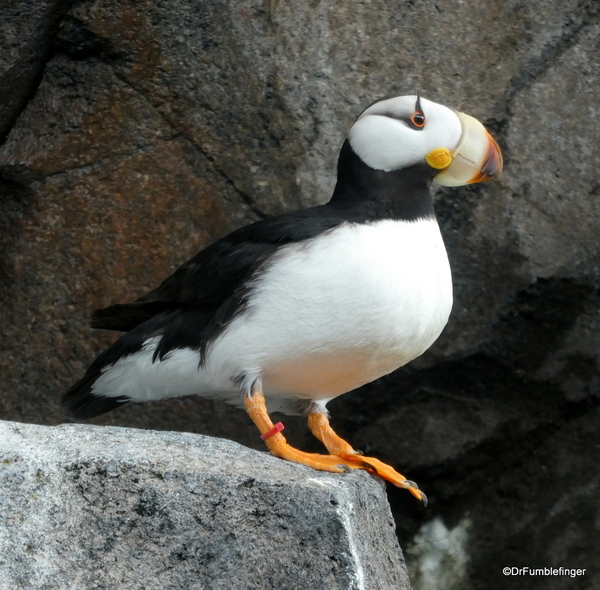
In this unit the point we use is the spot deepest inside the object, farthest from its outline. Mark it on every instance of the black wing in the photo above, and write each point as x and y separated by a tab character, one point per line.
212	277
193	305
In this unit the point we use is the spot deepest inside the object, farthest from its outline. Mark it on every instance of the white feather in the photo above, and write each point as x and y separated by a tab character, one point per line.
325	317
386	143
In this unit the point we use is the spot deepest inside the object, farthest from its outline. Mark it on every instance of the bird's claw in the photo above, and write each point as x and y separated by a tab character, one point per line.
376	467
368	467
410	484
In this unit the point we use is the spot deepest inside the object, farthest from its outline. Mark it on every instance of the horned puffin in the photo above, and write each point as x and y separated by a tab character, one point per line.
287	313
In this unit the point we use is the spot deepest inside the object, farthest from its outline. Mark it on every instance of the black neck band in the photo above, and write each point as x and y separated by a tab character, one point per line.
368	194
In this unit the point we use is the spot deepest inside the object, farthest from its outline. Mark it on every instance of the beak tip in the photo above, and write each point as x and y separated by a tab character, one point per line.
477	157
492	164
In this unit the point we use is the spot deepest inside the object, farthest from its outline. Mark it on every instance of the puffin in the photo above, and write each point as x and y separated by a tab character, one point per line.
288	313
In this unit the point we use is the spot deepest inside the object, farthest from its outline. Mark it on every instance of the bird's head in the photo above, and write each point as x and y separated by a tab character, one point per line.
405	131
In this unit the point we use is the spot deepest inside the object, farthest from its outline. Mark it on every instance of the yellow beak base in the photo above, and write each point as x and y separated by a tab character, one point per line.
439	158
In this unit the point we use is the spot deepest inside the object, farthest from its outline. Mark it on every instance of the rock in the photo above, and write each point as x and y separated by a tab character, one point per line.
101	507
158	127
26	31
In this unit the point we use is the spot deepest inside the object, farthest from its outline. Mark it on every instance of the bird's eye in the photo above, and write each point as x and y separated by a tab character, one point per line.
418	119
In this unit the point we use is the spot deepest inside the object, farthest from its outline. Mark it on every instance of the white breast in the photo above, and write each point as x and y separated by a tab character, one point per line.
339	311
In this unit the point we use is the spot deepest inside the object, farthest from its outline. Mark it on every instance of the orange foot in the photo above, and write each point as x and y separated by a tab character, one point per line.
320	427
342	456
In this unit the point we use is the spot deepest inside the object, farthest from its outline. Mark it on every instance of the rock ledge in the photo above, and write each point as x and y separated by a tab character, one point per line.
102	507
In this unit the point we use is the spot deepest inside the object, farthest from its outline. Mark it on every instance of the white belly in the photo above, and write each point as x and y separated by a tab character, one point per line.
337	312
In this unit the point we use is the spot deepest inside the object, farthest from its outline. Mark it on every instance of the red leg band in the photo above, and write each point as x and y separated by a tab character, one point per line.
277	428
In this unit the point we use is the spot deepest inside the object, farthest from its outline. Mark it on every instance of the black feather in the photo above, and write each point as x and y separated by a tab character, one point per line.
212	277
188	327
126	316
201	298
80	402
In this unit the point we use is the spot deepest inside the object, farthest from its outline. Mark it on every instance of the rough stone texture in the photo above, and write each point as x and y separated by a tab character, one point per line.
26	31
157	127
104	507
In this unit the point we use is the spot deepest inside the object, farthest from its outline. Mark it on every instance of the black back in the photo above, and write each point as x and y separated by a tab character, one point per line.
197	302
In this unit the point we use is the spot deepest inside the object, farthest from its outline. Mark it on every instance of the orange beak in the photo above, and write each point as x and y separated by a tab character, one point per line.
476	158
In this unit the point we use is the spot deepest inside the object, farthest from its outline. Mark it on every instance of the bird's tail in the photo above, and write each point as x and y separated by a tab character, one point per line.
82	403
80	399
144	364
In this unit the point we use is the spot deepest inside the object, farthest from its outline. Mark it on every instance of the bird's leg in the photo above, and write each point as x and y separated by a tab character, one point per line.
276	443
320	427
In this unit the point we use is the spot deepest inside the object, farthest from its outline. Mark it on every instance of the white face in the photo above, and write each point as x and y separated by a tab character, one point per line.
384	139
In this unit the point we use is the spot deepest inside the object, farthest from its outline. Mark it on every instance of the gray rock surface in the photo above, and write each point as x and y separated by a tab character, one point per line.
157	127
26	31
100	507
